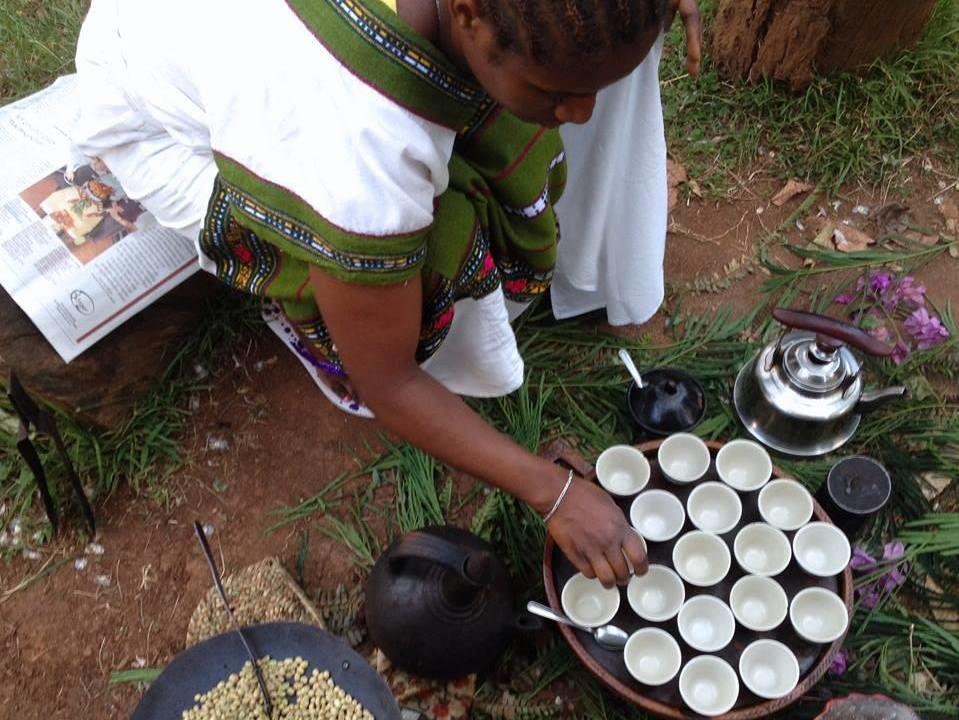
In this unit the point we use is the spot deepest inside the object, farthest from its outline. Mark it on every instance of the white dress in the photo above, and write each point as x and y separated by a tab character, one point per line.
614	212
165	85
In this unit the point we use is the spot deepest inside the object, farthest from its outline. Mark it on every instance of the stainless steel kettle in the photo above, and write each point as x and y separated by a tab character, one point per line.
803	394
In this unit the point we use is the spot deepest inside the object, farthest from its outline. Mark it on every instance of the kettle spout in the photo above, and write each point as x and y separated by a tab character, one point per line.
877	398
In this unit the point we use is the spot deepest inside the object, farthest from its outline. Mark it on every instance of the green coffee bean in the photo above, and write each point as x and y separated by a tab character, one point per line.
296	692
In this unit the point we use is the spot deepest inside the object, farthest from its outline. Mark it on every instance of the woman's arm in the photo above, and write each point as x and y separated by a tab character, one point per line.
376	330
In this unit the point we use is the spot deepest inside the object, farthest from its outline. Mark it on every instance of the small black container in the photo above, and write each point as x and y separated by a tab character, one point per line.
856	489
670	401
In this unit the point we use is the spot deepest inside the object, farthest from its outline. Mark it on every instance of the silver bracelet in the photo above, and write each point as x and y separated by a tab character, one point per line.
559	500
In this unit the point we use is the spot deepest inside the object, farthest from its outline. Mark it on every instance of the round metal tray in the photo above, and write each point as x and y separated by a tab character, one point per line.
198	669
665	701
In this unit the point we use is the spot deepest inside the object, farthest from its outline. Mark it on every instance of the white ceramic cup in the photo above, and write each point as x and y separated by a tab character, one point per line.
706	623
785	504
818	615
759	603
587	602
622	470
714	507
821	549
683	458
761	549
656	596
701	559
744	465
657	515
709	686
769	669
652	656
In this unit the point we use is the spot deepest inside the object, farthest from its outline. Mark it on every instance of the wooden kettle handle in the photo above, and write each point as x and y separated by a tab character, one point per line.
831	334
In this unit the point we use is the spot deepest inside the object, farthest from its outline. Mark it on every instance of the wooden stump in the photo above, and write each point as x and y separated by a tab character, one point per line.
791	40
101	386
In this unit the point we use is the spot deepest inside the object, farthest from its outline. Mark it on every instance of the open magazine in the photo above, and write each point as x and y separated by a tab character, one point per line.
76	254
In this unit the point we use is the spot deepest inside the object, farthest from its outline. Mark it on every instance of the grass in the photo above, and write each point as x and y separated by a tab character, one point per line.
145	451
418	503
322	502
356	533
37	43
840	130
135	676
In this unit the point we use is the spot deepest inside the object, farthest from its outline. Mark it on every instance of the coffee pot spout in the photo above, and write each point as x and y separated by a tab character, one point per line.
871	400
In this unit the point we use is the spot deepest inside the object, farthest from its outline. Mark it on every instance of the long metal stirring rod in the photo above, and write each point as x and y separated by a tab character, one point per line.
201	536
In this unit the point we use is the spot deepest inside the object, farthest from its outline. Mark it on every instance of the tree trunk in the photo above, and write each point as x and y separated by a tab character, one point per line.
791	40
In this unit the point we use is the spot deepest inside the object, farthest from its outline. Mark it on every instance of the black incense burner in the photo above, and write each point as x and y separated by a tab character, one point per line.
856	489
670	401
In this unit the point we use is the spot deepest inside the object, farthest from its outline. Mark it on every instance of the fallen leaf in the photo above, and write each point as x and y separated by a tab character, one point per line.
851	239
789	191
948	209
824	232
950	213
695	189
676	175
946	616
918	237
934	484
925	684
889	219
954	250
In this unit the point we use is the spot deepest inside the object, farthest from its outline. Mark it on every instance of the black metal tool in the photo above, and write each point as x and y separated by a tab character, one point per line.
30	413
201	536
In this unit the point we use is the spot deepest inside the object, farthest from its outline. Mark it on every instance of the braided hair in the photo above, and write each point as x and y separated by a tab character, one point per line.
585	27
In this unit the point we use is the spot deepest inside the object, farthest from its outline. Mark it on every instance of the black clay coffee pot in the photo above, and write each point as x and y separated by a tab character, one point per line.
439	604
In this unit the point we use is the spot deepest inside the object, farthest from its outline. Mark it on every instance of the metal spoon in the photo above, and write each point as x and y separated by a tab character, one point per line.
609	636
631	366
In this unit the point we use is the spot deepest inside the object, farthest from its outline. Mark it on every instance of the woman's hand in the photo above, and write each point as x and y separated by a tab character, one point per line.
693	24
596	537
376	329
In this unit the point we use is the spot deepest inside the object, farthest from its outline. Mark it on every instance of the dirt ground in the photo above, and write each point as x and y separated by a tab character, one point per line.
61	637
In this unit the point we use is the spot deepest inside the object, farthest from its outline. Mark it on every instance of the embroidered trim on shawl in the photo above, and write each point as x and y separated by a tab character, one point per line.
242	260
417	76
542	203
287	220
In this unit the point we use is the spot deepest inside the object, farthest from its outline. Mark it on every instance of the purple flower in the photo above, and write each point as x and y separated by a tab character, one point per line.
900	353
912	292
927	329
840	663
845	299
862	561
880	282
880	332
893	579
870	596
893	551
